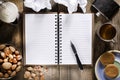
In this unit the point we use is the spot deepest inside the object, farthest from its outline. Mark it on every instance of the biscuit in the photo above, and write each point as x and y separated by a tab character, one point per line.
107	58
111	71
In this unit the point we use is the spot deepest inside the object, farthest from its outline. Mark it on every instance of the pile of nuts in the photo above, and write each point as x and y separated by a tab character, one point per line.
35	73
10	61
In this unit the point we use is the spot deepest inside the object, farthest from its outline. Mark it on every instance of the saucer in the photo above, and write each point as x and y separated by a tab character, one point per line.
99	68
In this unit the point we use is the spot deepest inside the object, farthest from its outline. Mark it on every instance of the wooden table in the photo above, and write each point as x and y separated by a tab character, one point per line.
10	33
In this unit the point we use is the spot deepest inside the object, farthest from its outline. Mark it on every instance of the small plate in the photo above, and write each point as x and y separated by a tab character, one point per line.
99	68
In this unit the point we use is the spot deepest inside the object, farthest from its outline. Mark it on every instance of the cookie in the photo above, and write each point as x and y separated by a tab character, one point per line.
107	58
111	71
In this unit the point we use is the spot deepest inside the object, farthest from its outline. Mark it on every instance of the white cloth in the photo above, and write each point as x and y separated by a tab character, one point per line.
82	4
37	5
72	4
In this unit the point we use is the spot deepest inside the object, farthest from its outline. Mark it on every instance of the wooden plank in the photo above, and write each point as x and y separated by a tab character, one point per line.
69	72
52	73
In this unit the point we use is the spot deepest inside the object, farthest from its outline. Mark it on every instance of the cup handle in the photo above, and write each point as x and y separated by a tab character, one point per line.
113	41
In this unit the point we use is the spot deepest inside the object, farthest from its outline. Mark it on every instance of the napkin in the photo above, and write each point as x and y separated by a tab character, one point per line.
72	4
82	4
37	5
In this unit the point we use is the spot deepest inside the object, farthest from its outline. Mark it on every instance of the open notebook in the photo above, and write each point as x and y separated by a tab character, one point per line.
48	36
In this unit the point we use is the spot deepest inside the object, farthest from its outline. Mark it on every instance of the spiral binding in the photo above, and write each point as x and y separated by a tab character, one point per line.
60	38
56	40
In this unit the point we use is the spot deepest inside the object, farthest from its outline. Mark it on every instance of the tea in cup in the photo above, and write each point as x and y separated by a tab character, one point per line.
107	32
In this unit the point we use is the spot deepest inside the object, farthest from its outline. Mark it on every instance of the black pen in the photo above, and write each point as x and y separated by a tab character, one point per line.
76	55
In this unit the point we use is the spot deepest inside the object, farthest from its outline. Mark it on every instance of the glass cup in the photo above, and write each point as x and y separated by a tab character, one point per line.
107	32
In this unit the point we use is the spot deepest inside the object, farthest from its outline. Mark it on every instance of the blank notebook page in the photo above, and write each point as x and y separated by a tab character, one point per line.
40	38
78	29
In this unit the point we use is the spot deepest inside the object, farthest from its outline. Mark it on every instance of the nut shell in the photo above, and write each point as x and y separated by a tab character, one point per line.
14	60
6	65
30	78
14	55
7	51
36	78
3	55
11	56
12	48
1	60
27	74
6	75
18	57
30	69
19	63
6	60
1	74
14	66
33	75
2	46
11	60
17	52
9	72
18	68
13	73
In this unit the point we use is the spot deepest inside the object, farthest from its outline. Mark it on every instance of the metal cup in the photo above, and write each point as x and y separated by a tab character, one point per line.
107	32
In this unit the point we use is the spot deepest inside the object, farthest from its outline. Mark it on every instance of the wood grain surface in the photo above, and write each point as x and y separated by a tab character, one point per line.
10	33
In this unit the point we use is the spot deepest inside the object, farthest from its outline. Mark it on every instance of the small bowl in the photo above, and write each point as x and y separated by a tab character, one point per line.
9	54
